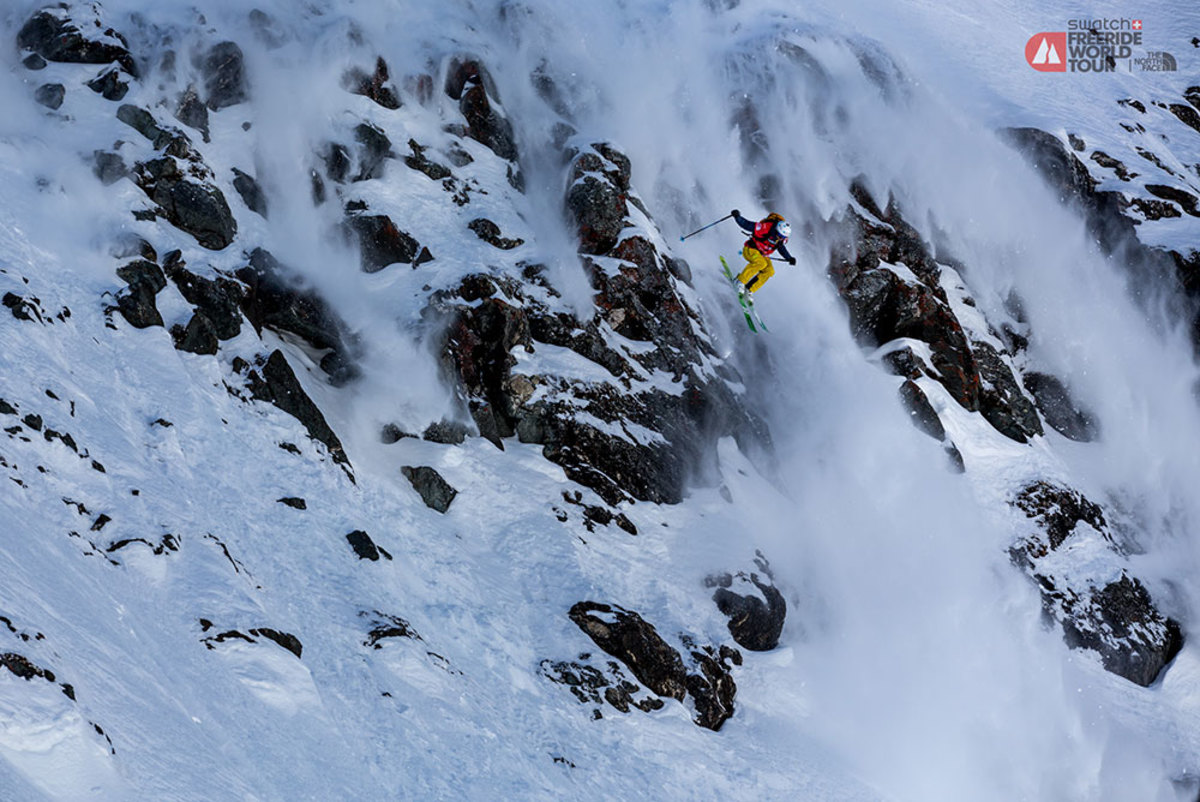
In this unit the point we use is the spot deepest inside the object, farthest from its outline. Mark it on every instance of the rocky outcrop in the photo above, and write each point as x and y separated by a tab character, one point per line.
224	69
624	437
55	35
381	242
137	301
1114	617
365	547
373	85
754	606
631	639
1061	412
893	288
469	83
435	491
275	300
197	207
274	381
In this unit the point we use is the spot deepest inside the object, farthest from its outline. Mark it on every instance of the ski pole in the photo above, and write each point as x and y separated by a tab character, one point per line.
710	225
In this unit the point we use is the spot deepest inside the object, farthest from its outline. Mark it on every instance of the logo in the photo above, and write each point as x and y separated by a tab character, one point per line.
1155	61
1103	44
1045	51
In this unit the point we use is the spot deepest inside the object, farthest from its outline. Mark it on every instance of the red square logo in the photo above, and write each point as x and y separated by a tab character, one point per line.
1047	51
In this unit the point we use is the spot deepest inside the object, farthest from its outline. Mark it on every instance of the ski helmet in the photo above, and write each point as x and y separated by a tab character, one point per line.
784	228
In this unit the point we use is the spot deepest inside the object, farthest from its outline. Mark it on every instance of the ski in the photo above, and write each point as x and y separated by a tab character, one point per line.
744	299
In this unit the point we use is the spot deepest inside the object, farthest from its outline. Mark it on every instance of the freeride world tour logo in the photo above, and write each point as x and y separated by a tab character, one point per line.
1093	45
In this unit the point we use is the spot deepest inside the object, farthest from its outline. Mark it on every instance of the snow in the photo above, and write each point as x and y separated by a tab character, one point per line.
914	665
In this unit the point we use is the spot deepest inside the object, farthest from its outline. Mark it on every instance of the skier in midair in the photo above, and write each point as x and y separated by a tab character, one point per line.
766	236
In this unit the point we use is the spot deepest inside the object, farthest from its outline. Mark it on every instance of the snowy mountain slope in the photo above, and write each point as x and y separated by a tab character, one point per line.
261	620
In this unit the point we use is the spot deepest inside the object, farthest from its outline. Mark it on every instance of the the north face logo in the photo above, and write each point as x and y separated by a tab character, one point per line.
1046	51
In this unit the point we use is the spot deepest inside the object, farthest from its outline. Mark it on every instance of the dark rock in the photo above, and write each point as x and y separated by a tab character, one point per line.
277	384
387	626
1001	399
380	242
51	34
1185	199
337	162
192	112
712	690
628	637
435	491
33	421
755	619
419	162
224	75
293	502
217	301
1122	611
373	85
1187	115
1104	160
50	95
171	141
1070	179
599	211
109	167
196	208
883	308
1058	510
284	639
445	432
391	433
1060	409
23	308
271	301
198	337
22	667
137	301
143	270
364	547
251	192
374	149
920	411
109	85
34	62
489	232
471	85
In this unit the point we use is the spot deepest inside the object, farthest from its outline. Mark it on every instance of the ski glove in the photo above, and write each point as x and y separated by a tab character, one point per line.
735	213
791	260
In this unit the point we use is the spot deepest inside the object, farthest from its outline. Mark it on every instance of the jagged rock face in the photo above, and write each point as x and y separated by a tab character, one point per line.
885	306
1117	619
224	76
198	208
631	639
637	296
275	382
273	300
469	83
1054	401
54	36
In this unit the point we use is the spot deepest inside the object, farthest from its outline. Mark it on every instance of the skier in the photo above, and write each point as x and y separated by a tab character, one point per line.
766	236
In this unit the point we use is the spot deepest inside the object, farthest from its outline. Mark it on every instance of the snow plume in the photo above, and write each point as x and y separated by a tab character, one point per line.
922	647
916	664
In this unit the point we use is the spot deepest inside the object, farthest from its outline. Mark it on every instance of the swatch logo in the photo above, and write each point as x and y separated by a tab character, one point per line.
1046	51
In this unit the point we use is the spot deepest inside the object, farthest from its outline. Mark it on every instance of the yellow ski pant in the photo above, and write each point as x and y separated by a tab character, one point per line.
757	271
